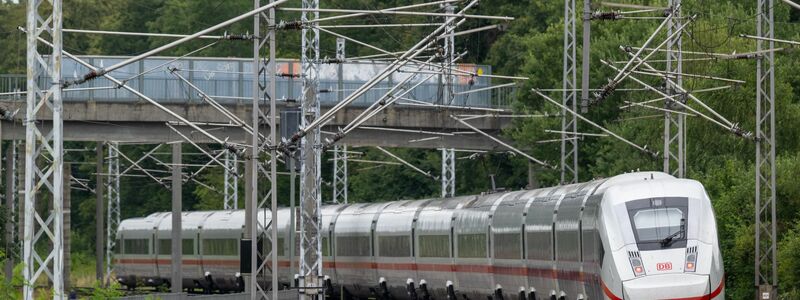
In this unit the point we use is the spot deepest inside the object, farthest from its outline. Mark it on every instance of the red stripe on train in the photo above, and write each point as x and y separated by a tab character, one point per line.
479	269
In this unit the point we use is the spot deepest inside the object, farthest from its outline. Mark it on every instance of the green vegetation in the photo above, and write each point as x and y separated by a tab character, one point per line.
531	47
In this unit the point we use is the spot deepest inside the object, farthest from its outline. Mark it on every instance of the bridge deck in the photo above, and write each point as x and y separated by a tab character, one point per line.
116	114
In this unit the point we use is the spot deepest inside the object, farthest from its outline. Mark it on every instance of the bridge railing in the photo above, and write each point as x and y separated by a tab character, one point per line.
12	83
228	80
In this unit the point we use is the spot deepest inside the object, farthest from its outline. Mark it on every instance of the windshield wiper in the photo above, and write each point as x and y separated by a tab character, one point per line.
665	242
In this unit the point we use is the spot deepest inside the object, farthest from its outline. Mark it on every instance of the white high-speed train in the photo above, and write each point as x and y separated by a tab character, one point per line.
644	235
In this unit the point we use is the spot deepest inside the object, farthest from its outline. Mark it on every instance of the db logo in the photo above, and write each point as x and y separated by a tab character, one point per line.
664	266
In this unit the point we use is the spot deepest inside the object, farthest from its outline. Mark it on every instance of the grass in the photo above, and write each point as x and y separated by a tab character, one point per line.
82	274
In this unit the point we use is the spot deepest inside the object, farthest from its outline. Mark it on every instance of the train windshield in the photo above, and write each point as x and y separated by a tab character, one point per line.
659	223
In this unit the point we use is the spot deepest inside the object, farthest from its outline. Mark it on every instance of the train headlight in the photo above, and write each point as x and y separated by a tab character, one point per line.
691	262
638	268
691	259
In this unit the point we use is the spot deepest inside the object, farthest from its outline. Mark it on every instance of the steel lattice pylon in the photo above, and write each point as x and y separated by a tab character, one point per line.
310	195
43	238
340	154
112	205
569	122
231	188
448	178
340	174
674	123
448	93
263	206
448	172
766	267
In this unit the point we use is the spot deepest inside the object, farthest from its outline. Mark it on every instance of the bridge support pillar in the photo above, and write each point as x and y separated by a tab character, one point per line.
99	214
177	197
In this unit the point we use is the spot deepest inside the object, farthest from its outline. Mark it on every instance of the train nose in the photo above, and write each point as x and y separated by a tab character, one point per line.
668	286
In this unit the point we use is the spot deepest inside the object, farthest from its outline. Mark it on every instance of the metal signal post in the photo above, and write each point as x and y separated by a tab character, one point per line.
674	123
569	122
310	148
766	265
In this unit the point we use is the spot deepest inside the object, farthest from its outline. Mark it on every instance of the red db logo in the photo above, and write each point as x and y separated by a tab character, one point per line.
664	266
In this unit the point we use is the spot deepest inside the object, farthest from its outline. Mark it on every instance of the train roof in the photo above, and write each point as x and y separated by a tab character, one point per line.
230	219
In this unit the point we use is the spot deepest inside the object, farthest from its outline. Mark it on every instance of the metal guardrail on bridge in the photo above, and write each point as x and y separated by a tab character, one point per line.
228	80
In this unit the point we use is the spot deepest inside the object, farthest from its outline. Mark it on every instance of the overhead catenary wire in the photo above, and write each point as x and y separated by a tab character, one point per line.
609	88
146	98
433	3
582	134
145	34
643	149
159	181
396	12
672	111
404	162
792	4
189	140
665	98
733	127
414	60
504	144
94	73
394	66
680	103
675	75
214	103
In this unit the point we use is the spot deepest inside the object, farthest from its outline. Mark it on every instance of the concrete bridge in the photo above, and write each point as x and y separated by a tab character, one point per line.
97	111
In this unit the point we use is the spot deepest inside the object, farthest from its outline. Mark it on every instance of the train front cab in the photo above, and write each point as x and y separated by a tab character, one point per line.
661	242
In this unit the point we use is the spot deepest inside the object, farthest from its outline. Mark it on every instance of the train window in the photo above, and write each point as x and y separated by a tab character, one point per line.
281	246
137	246
394	246
268	246
187	247
326	250
507	246
434	246
472	245
539	244
221	247
352	246
658	223
165	247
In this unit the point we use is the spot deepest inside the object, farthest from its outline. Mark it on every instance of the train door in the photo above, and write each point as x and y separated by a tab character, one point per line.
506	239
540	239
473	262
567	246
591	248
433	234
395	255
